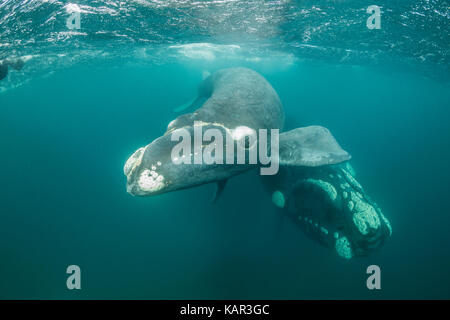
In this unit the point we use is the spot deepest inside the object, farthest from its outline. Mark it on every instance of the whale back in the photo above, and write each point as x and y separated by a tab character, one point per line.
236	97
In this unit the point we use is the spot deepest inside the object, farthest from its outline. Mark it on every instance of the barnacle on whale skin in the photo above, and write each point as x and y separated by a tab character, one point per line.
150	180
365	216
343	248
326	186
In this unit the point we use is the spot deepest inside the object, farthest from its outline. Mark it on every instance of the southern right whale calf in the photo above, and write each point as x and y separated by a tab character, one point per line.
331	207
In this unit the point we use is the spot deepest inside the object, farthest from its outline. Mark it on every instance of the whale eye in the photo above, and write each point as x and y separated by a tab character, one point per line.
246	137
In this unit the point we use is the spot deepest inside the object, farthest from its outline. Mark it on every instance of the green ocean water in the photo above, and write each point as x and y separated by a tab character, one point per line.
68	125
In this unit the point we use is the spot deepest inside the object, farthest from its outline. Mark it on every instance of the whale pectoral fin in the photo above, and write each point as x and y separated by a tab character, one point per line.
310	146
194	103
220	186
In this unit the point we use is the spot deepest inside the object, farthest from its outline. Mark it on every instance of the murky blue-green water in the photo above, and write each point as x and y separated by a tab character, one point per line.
87	99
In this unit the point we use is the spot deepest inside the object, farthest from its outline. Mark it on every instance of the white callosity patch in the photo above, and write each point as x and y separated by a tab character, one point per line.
327	187
314	224
365	216
150	181
387	223
344	248
278	199
344	186
350	205
352	180
133	161
350	169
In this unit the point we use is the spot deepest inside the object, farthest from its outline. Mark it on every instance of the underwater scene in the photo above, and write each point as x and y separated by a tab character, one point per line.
224	149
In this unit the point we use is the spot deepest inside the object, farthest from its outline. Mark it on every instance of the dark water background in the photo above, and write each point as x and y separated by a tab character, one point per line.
69	122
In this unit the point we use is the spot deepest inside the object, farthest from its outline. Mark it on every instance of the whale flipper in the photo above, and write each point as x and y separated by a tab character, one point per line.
310	147
205	90
220	186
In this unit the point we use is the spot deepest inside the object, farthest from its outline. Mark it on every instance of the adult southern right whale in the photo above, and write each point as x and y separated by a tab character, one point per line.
234	102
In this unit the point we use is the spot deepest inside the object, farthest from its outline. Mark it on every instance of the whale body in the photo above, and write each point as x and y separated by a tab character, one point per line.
232	100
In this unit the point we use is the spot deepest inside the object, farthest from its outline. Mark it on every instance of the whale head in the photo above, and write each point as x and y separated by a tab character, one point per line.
331	207
159	168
